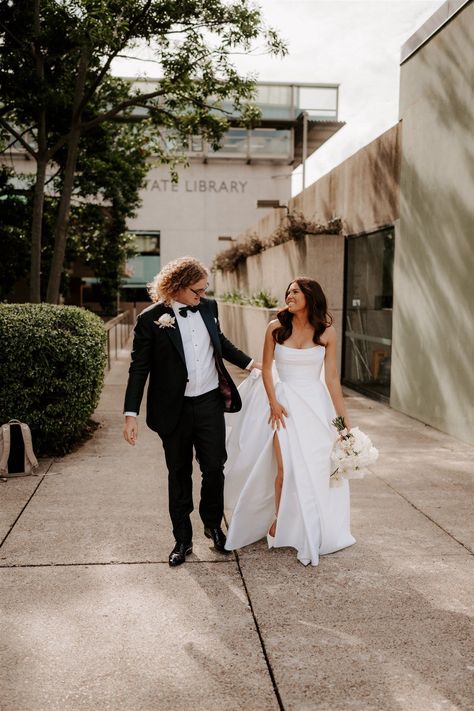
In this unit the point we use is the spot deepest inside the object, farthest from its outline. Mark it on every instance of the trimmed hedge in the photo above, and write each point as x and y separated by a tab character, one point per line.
52	361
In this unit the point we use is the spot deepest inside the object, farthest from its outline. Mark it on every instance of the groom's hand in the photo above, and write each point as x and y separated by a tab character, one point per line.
130	430
256	365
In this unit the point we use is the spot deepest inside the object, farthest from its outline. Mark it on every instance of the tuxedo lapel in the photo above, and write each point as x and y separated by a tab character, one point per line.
211	326
174	334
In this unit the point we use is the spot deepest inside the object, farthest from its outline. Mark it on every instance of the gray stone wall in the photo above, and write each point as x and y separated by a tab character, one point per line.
433	318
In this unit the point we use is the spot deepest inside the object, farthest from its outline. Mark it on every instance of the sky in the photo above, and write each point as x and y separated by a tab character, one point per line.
354	43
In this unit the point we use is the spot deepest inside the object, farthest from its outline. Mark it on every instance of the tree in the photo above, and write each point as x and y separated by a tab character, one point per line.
56	84
111	167
14	244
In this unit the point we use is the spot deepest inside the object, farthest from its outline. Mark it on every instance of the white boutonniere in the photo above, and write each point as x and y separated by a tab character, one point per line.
166	321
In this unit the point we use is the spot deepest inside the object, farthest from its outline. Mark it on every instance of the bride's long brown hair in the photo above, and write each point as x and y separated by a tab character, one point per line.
316	307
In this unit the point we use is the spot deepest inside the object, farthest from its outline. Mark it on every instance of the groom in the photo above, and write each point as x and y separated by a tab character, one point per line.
179	344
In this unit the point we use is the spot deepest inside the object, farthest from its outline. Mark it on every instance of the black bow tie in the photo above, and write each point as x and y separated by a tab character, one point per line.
183	310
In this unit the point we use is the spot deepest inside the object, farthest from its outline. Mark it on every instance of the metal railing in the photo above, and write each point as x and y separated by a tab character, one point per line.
118	331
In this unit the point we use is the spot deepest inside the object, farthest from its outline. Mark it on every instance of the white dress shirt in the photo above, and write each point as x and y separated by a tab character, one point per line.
198	353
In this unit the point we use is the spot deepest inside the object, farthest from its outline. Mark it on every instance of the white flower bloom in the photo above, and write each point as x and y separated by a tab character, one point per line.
351	456
166	321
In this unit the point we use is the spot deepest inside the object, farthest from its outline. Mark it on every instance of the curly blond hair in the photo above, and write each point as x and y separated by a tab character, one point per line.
176	275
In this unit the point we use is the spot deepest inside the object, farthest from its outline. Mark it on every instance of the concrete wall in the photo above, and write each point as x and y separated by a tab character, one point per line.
363	190
433	320
320	257
245	326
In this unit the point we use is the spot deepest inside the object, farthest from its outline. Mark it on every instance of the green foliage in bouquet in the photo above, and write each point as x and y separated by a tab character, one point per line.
52	363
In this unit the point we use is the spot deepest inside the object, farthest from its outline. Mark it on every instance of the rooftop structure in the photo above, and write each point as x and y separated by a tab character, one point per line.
280	137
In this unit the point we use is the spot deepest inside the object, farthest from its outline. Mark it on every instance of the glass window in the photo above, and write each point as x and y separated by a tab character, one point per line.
318	101
196	144
368	313
234	142
270	142
147	242
142	267
273	94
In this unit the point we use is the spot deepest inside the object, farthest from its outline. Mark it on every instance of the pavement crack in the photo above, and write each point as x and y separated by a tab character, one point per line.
106	563
260	637
402	496
24	507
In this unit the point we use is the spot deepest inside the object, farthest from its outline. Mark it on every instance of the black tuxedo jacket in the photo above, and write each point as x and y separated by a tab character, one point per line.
158	352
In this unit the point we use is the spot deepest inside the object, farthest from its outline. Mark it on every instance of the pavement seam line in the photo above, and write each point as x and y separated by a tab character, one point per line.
91	564
260	637
24	507
11	566
402	496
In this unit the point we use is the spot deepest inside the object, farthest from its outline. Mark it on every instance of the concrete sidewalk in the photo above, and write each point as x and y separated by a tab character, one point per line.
93	618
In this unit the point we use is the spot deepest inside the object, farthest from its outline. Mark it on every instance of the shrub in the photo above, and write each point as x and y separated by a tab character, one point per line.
233	297
294	227
297	226
52	361
229	259
263	299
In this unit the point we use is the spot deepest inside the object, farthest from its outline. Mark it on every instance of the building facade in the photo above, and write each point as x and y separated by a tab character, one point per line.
216	195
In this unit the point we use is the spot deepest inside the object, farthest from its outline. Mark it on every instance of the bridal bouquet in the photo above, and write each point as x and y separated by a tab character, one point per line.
352	453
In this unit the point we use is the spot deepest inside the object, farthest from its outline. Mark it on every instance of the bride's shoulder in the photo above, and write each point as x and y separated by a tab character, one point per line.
272	325
329	336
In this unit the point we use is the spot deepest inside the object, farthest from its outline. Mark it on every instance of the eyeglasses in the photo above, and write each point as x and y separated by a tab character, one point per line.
199	292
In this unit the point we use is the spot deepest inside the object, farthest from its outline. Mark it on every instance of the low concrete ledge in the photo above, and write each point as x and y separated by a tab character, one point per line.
245	325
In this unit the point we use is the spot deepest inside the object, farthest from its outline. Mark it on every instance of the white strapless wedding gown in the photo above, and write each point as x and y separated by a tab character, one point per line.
313	517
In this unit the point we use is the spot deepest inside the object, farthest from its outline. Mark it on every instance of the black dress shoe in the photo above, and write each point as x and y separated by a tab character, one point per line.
179	553
218	539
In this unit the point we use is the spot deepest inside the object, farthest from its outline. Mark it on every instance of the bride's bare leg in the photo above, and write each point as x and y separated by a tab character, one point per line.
278	480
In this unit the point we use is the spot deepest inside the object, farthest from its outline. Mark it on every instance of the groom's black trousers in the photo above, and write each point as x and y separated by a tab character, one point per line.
201	427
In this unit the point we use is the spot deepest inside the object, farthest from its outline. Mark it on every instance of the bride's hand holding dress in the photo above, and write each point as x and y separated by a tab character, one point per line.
277	415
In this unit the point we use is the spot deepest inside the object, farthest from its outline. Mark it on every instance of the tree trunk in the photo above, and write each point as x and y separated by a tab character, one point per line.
36	231
60	230
41	165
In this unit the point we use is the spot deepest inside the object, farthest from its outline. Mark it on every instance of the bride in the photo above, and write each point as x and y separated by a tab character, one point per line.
279	446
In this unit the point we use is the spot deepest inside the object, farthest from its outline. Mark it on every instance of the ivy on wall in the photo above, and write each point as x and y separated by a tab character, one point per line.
294	227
